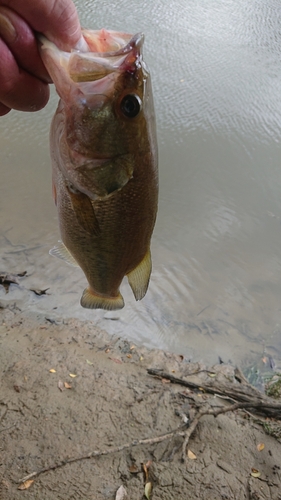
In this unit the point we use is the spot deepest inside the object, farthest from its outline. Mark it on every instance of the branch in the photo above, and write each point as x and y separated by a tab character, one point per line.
158	439
241	391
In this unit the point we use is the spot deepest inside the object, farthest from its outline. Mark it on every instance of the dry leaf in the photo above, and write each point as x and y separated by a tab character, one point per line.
39	292
132	347
129	355
133	469
52	370
165	381
121	493
66	385
212	374
26	485
191	455
141	358
260	446
255	473
116	360
5	483
60	385
148	490
72	375
89	362
145	472
107	350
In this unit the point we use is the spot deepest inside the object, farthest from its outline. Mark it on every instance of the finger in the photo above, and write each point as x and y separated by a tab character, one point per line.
18	89
57	19
3	109
22	43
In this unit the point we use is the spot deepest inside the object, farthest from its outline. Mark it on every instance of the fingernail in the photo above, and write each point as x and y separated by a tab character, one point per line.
7	30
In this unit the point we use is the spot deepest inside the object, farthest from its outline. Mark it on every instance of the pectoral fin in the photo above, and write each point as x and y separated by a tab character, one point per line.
139	277
54	189
84	211
61	252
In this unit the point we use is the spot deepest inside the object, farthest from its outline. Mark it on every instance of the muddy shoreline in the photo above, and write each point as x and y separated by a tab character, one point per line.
98	395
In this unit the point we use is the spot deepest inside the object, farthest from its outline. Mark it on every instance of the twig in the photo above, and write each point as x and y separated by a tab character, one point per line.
7	428
180	431
207	410
248	395
158	439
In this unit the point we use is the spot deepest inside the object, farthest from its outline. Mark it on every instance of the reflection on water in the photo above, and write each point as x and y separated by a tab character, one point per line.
216	283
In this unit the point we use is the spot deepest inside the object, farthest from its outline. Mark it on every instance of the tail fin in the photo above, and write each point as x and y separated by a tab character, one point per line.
91	300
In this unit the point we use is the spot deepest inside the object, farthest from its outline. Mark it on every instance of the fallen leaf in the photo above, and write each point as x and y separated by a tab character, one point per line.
145	472
6	279
89	362
141	358
72	375
5	483
212	374
52	370
191	455
165	381
107	350
132	347
26	485
116	360
255	473
121	493
66	385
260	446
133	469
60	385
39	292
129	356
148	490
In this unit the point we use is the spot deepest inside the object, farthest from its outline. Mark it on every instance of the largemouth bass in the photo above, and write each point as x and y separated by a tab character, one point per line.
104	162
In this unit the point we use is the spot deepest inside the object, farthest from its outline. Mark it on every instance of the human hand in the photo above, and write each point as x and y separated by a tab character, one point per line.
23	77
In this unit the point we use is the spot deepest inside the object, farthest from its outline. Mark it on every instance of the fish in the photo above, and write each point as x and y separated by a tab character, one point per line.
104	162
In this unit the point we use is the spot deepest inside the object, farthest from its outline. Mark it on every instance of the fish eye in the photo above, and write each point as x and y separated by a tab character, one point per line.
131	105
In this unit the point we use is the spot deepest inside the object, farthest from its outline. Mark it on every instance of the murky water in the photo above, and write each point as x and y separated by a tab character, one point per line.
216	283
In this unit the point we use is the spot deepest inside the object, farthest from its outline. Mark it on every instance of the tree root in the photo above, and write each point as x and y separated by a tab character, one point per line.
245	396
238	390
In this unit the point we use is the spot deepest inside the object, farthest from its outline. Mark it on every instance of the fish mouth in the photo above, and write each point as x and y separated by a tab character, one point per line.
98	54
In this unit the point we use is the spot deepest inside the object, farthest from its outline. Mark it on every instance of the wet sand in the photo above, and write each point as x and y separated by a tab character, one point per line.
113	401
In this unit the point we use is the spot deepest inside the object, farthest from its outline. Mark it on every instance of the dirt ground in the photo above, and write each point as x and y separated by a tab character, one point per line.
97	396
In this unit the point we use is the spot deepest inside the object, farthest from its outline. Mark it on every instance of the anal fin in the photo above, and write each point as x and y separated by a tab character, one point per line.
60	251
91	300
139	277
